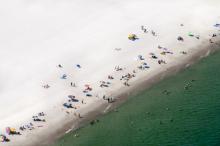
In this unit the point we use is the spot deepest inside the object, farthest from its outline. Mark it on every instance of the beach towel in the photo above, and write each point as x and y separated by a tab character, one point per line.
217	25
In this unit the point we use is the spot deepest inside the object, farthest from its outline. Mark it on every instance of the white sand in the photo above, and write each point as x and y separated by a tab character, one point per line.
36	36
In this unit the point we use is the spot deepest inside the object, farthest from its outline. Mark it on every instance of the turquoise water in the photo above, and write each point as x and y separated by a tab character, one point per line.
188	114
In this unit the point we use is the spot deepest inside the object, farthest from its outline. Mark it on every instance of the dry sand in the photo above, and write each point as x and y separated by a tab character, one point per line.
36	36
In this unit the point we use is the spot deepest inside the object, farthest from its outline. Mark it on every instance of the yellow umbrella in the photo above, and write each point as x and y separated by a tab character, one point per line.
131	36
12	129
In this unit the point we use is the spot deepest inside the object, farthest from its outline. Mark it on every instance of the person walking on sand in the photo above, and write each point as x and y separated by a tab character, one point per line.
83	102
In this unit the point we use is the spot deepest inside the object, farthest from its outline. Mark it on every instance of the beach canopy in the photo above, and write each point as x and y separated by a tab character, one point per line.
217	25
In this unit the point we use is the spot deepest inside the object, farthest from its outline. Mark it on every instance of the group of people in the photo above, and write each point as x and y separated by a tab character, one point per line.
125	78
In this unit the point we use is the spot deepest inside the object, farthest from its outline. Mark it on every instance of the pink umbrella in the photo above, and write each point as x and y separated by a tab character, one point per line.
8	131
87	85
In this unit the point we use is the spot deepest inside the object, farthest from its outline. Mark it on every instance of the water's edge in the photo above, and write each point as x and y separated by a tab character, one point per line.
140	86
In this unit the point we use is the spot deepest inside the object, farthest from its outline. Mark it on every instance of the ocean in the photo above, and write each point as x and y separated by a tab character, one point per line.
182	110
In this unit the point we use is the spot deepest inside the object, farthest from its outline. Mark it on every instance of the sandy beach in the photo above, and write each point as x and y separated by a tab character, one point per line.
63	63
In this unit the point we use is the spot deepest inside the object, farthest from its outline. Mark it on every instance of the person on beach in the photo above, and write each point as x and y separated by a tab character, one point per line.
197	36
153	33
180	38
210	41
60	66
183	52
83	102
214	35
64	76
145	31
118	49
110	77
72	84
46	86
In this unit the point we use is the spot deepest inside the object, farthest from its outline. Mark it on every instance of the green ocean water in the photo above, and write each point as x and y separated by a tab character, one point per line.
188	114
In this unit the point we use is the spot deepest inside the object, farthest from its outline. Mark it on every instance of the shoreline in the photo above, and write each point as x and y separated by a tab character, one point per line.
136	89
64	71
146	80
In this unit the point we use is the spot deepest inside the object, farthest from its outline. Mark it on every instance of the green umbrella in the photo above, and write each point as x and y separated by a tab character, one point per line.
191	34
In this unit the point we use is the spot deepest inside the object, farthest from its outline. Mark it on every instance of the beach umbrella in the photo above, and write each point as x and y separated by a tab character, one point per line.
8	131
191	34
12	129
131	36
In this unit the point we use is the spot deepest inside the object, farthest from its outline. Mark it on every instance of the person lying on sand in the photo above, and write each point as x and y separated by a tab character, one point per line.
36	119
110	77
68	105
180	38
183	52
118	49
210	41
153	33
144	29
41	114
64	76
126	84
60	66
72	84
117	68
161	62
46	86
